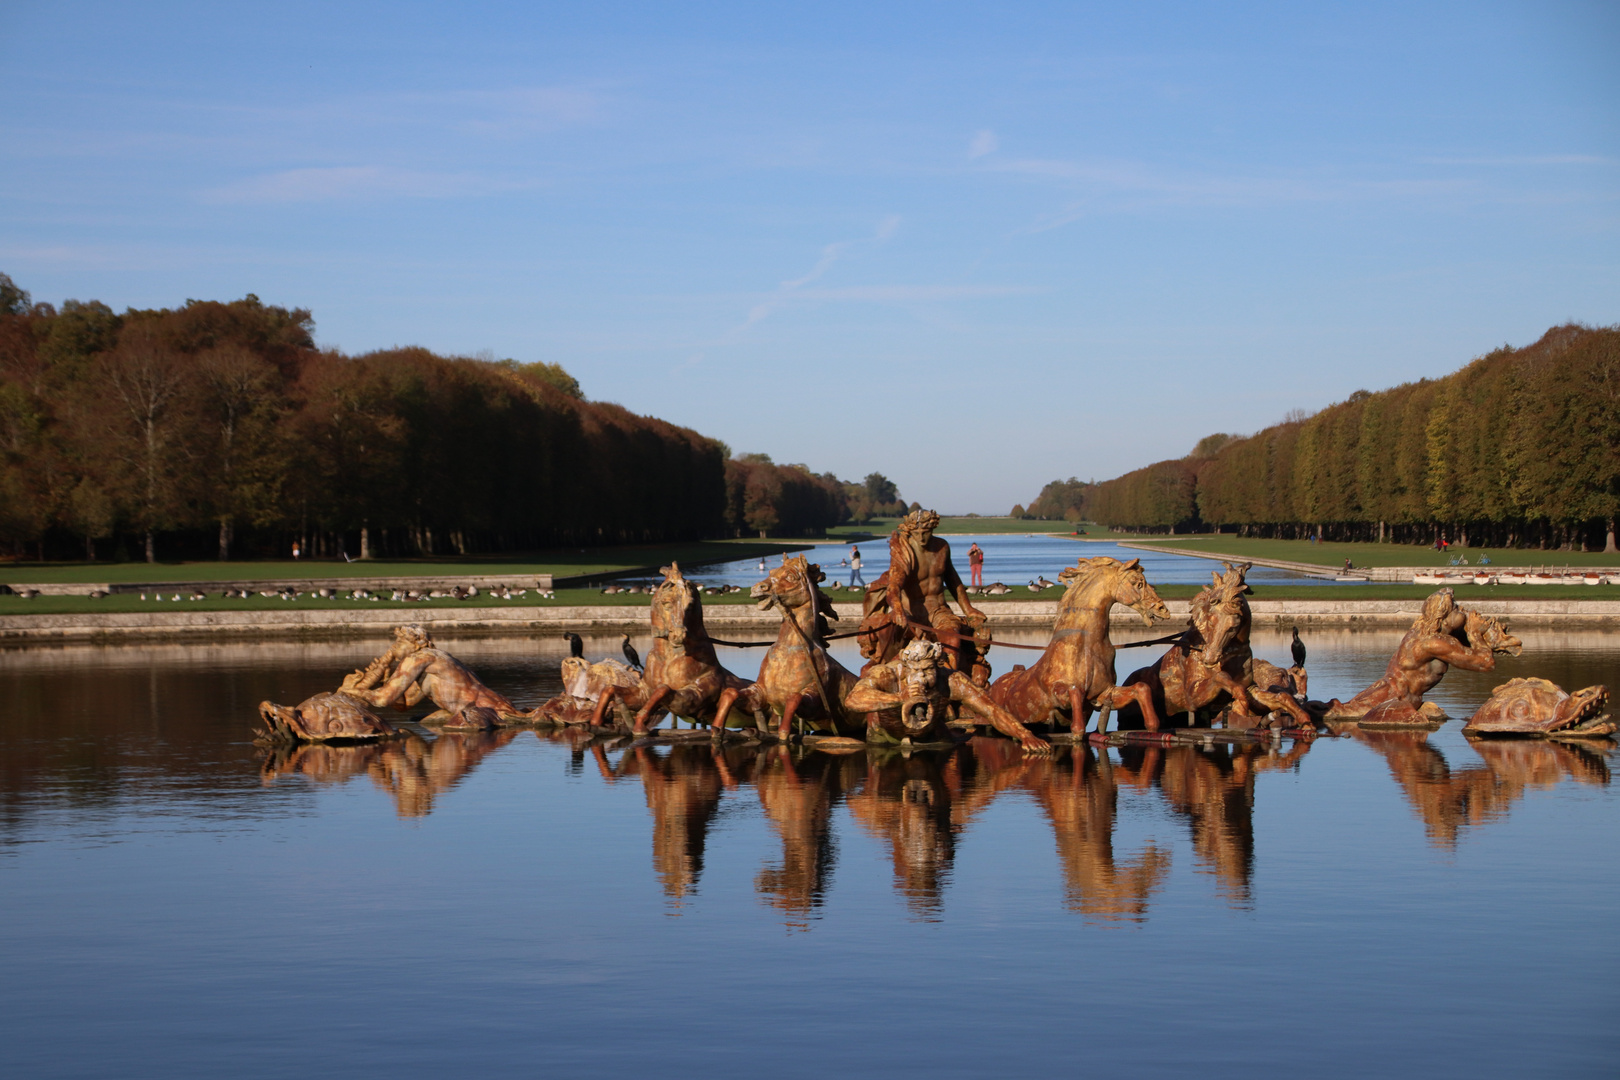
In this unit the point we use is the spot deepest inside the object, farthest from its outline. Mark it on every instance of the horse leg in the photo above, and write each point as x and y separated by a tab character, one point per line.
1080	713
602	703
789	708
722	709
655	699
1140	693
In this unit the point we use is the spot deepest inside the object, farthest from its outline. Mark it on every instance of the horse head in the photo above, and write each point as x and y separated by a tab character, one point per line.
677	607
1219	611
792	586
1123	583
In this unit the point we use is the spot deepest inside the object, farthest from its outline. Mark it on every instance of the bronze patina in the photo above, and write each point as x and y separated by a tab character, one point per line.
1541	709
326	717
682	674
1212	669
797	678
413	669
910	699
1442	637
1076	672
911	599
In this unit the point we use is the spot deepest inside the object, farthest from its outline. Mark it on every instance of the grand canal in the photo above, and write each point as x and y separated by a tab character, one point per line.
179	904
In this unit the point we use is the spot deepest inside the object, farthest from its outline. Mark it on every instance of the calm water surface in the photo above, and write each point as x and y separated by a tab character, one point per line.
179	905
1011	559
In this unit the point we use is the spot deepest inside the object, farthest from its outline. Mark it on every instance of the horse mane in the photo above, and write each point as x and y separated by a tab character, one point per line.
1083	572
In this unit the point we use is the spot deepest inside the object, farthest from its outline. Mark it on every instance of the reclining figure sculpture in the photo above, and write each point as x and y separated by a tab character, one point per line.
414	668
1444	635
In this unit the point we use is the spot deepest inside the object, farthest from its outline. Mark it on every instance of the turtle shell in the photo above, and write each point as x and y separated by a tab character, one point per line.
1528	707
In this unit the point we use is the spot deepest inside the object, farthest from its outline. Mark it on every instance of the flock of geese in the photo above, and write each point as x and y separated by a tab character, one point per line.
457	592
708	590
994	589
505	592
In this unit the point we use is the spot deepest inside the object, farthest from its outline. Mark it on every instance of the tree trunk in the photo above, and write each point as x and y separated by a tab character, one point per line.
224	540
151	549
90	547
365	541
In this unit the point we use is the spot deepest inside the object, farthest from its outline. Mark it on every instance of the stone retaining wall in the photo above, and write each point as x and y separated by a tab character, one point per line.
377	621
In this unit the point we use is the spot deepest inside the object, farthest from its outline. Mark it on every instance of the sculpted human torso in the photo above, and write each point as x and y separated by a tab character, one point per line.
921	594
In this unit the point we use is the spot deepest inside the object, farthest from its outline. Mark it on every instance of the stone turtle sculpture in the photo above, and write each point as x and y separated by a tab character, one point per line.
1538	708
326	717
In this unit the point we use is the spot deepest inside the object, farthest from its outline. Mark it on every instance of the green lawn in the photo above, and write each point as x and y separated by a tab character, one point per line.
1332	555
562	563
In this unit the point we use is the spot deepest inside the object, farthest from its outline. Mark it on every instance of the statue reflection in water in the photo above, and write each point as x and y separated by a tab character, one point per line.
413	770
1447	798
916	805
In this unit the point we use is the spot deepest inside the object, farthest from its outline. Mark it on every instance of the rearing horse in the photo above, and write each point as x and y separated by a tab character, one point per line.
682	674
1076	672
797	678
1212	657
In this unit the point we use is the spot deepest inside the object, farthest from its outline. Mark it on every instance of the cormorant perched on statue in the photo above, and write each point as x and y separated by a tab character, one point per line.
630	653
1298	648
576	647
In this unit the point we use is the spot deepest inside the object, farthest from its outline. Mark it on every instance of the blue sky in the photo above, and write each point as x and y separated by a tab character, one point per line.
976	247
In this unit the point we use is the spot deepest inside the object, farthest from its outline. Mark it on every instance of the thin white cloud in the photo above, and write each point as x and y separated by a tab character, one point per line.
829	255
1105	186
983	143
1542	159
915	293
522	111
351	182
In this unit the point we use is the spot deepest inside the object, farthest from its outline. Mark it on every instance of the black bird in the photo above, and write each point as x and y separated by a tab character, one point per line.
630	653
576	647
1298	648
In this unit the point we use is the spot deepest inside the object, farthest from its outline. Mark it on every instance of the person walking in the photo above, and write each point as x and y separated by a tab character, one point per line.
855	568
975	564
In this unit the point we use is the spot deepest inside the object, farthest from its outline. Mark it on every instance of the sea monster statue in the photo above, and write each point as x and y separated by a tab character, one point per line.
1540	709
908	700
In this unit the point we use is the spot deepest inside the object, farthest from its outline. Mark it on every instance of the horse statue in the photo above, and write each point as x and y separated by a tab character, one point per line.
682	674
797	678
1076	672
1213	665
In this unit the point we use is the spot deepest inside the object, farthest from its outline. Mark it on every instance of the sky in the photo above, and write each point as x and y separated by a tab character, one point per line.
973	247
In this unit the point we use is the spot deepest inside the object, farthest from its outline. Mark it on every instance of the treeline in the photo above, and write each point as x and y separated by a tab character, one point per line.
790	500
1061	500
1520	448
219	428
